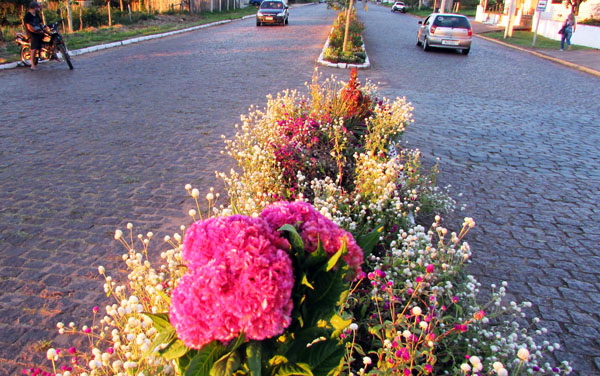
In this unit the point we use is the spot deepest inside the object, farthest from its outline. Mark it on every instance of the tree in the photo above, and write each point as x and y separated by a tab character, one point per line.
574	4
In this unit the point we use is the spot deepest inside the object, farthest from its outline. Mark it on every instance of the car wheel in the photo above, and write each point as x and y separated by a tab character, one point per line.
258	23
466	51
287	21
426	45
418	41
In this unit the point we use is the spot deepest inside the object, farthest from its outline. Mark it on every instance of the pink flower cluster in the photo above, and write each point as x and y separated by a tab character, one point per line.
240	280
314	227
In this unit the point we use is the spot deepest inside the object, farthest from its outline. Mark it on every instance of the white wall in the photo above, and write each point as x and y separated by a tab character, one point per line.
584	35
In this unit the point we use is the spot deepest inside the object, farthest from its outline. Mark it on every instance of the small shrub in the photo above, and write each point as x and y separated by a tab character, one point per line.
591	21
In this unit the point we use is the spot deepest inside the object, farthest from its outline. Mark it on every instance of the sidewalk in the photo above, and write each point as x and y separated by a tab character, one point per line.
584	60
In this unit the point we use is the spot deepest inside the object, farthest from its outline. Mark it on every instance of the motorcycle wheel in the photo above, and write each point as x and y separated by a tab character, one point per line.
26	55
65	54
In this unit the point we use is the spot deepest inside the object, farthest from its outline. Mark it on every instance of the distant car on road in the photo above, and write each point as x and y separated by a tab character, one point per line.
445	30
399	6
255	2
272	12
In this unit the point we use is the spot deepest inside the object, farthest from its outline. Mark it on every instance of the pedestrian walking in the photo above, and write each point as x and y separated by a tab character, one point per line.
567	31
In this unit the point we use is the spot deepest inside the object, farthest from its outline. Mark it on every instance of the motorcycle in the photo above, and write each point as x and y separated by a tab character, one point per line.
52	45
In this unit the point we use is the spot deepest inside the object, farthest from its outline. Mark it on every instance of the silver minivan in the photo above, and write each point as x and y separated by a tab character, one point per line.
445	30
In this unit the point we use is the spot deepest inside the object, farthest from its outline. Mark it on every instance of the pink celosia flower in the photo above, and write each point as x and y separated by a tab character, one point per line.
240	279
314	227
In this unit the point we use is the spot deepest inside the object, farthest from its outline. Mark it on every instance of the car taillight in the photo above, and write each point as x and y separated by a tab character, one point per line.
433	29
470	32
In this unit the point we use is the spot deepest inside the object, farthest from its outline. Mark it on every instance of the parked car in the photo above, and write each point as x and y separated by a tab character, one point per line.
399	6
272	12
445	30
255	2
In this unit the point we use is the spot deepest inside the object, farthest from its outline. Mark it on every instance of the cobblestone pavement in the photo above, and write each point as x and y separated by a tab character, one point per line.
116	140
518	136
130	126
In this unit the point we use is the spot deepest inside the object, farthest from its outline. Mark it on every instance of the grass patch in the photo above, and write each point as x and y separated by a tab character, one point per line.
525	38
9	51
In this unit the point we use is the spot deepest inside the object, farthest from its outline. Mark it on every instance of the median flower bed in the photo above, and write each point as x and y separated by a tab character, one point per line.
322	262
355	50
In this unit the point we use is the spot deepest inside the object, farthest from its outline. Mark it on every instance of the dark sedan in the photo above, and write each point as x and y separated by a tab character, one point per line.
272	12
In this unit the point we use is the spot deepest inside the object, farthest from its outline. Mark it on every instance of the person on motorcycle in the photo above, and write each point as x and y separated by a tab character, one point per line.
35	32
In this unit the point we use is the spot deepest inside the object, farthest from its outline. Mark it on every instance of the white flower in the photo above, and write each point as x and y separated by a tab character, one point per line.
118	234
465	367
192	213
210	197
353	327
51	354
367	360
416	311
502	372
195	193
523	354
101	270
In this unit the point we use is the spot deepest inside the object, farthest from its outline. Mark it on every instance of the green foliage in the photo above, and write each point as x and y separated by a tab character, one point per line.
590	21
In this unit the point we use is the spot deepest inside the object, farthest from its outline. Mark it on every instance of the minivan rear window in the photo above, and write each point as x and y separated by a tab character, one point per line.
451	21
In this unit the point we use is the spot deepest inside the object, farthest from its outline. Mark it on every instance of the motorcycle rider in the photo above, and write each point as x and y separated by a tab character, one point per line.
33	25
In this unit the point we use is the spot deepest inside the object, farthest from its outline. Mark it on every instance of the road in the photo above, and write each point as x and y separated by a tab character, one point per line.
116	140
83	152
518	137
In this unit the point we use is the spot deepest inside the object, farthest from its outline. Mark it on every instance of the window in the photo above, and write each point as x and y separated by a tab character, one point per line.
451	21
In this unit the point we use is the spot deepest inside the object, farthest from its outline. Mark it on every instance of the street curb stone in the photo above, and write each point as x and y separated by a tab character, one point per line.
322	61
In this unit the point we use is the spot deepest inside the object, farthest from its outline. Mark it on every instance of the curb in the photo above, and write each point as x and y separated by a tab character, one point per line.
99	47
543	56
322	61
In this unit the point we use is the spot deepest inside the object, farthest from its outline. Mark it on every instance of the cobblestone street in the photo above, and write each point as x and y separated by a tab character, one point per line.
116	140
518	136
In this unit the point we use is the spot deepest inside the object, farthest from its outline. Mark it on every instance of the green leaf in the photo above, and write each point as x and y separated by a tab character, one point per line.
164	337
293	237
321	302
325	356
339	323
333	260
306	283
161	321
293	369
226	365
204	359
175	349
165	297
369	241
316	259
254	355
241	339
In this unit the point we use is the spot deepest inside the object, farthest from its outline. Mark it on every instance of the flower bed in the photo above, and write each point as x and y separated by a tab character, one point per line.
318	265
355	54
